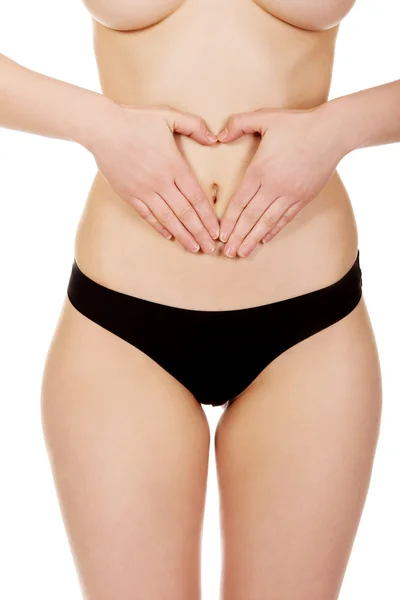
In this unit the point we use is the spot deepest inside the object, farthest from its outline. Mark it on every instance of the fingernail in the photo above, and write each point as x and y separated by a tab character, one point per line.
230	251
223	134
167	235
208	247
223	236
215	234
195	247
243	251
211	136
266	238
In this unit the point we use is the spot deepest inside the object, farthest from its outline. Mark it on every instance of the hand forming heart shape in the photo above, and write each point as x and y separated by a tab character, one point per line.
298	154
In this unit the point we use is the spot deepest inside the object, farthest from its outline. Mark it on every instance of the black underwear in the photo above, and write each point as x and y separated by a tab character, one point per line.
215	354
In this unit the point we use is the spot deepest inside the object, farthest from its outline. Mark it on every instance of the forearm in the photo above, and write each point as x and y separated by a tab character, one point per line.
369	117
42	105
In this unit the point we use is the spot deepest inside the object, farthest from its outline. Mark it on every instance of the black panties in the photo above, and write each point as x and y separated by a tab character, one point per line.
215	354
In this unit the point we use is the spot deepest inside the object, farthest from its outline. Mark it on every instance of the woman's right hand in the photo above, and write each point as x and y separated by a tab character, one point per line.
136	152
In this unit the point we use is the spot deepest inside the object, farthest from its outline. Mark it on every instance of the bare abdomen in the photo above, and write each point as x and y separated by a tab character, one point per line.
270	64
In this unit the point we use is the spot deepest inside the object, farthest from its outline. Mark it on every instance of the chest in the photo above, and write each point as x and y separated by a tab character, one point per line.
136	14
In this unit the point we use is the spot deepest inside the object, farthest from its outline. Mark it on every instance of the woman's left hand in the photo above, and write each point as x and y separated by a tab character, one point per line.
298	154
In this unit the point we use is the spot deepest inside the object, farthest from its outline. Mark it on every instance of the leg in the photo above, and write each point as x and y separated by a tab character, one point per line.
128	447
294	455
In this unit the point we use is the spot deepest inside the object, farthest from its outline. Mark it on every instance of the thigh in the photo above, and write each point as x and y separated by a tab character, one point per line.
128	448
294	455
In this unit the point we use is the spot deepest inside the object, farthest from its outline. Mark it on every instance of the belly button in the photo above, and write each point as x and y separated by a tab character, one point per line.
214	192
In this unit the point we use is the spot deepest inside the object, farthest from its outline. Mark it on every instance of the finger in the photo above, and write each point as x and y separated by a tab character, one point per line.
288	216
242	123
166	216
192	126
189	217
148	216
192	191
265	223
247	189
248	218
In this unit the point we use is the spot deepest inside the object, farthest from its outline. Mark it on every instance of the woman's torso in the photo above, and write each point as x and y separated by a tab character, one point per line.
214	58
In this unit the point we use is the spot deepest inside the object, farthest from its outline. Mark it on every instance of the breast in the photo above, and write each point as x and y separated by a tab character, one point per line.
308	14
128	15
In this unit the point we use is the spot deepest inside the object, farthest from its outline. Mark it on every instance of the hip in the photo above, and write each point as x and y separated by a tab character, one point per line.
116	248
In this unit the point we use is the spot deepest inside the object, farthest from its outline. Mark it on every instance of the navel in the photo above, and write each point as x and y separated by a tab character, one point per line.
214	192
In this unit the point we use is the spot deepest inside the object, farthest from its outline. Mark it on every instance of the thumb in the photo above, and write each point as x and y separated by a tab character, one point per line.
192	126
242	123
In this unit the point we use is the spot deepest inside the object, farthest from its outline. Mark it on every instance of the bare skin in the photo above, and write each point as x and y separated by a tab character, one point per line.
294	458
129	451
136	68
128	444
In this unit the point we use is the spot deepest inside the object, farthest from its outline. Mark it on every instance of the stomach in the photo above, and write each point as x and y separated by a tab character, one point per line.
240	60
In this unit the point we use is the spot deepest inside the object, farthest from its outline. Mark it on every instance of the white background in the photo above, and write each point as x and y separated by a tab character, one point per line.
43	186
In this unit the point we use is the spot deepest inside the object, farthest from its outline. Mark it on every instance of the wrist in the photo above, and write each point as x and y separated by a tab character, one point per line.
343	125
98	111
